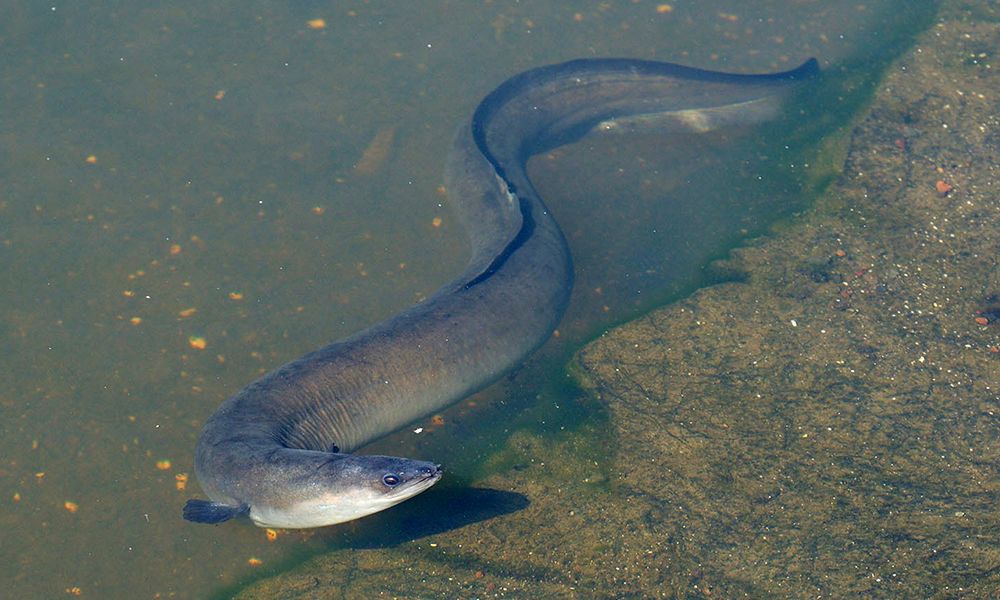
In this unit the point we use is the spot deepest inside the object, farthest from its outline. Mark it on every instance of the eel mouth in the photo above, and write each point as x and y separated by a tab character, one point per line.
432	475
425	478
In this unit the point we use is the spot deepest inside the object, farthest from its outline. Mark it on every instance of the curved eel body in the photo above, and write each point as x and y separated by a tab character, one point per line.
280	449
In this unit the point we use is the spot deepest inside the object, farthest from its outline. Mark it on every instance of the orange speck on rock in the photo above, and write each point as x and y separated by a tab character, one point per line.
436	221
982	320
72	507
163	464
271	534
254	562
318	210
316	23
942	187
437	420
128	293
577	17
664	8
135	320
181	481
197	342
74	591
175	249
187	312
219	95
235	295
91	160
840	252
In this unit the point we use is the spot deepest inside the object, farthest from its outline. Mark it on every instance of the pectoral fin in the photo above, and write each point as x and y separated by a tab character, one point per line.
206	511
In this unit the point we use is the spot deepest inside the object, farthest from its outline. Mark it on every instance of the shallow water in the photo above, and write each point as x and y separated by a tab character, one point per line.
181	210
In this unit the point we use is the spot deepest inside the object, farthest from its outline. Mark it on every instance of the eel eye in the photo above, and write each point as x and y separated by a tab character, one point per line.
390	479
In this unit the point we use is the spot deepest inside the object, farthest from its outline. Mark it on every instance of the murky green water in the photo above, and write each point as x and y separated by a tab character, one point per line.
180	211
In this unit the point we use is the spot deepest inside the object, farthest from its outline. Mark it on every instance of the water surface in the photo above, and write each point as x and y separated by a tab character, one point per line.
181	211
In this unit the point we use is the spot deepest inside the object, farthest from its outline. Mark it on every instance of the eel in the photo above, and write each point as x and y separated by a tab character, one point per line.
281	450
